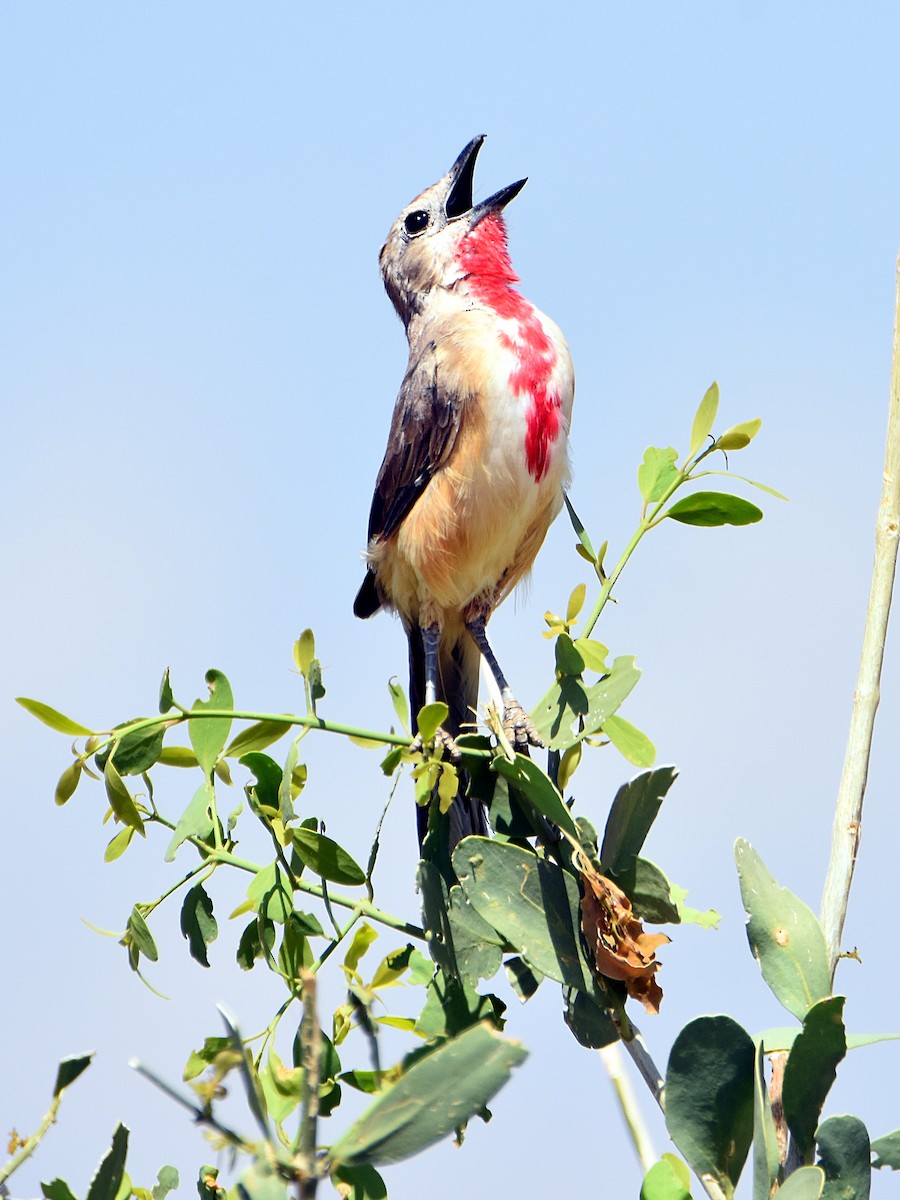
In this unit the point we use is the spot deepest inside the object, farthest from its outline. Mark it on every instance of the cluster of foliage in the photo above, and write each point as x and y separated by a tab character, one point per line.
545	898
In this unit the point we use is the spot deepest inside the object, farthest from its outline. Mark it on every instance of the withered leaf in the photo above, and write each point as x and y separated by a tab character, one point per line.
616	939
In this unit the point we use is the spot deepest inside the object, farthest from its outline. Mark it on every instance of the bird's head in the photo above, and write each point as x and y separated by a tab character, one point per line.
442	238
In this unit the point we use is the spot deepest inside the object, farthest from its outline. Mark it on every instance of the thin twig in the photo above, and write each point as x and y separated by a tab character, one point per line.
634	1118
848	815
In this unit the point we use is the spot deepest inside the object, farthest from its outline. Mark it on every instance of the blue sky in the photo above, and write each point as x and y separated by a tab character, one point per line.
198	369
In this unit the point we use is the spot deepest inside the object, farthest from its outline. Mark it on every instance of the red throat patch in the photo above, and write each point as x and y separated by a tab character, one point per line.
484	257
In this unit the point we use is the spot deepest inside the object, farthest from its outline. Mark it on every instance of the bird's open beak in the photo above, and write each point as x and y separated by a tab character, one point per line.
459	197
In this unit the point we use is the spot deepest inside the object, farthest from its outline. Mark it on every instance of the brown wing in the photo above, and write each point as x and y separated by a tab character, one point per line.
423	432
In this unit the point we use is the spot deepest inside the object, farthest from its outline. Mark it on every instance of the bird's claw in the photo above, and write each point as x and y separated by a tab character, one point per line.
442	742
519	727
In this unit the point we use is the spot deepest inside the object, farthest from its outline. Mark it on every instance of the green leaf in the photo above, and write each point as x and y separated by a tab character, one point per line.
166	1181
709	1097
593	654
208	736
811	1070
739	436
56	720
704	419
576	602
708	919
430	719
533	904
844	1156
591	1025
766	1159
261	1181
364	1183
664	1182
57	1190
657	473
650	893
887	1151
398	699
631	817
568	660
121	800
580	531
270	895
805	1184
784	936
195	821
326	858
569	701
437	1095
199	1060
68	782
69	1070
256	737
534	786
118	845
110	1173
304	651
714	508
138	936
198	924
178	756
134	752
523	980
633	745
166	698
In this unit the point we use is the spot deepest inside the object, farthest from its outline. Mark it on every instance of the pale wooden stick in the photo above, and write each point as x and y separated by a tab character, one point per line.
848	815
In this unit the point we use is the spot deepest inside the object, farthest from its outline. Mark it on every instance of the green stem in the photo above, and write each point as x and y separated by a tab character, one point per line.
31	1144
204	869
336	941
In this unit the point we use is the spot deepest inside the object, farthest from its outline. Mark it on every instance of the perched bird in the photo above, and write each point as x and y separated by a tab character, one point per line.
476	460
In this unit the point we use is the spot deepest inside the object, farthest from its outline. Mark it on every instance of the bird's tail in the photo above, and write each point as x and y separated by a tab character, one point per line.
458	665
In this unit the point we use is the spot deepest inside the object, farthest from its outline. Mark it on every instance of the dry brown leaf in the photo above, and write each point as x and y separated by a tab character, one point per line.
616	939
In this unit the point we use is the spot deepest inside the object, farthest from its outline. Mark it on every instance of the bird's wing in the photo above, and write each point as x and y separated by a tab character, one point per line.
423	432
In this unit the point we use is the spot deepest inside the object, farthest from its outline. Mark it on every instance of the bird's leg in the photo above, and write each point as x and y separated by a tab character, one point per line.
431	637
518	726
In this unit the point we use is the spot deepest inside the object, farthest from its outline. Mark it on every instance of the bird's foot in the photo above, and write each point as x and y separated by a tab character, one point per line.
443	743
519	727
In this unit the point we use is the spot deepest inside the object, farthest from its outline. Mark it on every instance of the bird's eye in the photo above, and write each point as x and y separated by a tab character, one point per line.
416	221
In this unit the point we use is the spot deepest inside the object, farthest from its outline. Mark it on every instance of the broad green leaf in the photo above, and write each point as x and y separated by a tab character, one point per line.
120	799
887	1151
430	718
195	821
784	936
739	436
714	508
591	1025
811	1070
633	745
198	924
845	1157
134	752
451	1007
649	891
568	660
631	816
69	1070
593	654
363	1183
267	774
532	903
657	472
261	1181
704	419
166	1181
256	737
805	1184
68	782
326	858
270	895
437	1095
56	720
118	845
663	1182
765	1141
57	1190
209	735
569	701
533	785
709	1097
111	1171
477	948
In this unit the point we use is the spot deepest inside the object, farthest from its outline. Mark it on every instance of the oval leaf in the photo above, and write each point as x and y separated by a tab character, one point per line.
120	799
56	720
714	508
704	419
209	735
326	858
811	1070
633	745
739	436
68	782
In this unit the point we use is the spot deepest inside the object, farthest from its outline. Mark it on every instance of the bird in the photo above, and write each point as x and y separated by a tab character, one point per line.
477	460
